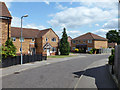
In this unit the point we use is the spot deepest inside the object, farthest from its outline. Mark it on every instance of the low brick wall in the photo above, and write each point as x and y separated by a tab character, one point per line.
117	63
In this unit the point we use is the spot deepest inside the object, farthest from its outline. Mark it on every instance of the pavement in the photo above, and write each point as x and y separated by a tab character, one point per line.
83	71
96	76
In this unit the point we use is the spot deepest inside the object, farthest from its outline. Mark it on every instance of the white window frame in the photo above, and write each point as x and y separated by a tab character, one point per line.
89	41
13	38
33	39
53	39
20	39
54	49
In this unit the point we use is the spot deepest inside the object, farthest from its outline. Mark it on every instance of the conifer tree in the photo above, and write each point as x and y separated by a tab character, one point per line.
64	44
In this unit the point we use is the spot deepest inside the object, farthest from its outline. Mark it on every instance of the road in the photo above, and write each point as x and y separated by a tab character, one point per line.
65	74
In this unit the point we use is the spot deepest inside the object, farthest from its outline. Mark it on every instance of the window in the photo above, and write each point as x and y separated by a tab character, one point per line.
89	48
73	41
54	39
83	41
79	41
13	39
89	41
22	40
73	48
46	39
33	39
53	49
20	49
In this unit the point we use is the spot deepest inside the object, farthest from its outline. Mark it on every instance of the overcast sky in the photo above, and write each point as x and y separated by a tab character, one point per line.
77	17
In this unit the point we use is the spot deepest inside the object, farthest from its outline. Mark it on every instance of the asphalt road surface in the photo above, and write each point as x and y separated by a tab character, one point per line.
57	75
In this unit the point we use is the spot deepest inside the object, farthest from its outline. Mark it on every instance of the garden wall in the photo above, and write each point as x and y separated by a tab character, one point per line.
10	61
117	63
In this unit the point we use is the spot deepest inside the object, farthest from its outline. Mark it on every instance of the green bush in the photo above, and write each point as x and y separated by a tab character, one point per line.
111	60
113	51
90	52
111	57
9	50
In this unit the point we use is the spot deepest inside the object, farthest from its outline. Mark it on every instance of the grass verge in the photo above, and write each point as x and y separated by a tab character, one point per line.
61	56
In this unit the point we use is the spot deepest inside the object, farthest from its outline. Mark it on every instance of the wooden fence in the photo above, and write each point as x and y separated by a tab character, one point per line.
10	61
117	63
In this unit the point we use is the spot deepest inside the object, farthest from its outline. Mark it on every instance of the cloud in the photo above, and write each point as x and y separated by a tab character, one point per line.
79	16
16	22
97	25
101	32
111	24
59	6
47	2
71	33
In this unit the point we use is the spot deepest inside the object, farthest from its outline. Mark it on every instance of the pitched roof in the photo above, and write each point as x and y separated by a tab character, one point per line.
27	32
4	10
90	36
43	32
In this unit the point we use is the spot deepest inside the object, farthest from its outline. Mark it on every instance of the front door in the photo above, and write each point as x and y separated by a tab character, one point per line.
48	52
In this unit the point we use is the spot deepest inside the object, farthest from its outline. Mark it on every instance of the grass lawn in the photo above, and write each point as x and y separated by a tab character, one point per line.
61	56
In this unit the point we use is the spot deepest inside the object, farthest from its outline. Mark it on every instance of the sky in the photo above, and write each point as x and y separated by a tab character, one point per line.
77	17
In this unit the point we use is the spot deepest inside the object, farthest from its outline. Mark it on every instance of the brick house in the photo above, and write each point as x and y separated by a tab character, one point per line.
5	23
112	45
88	41
34	41
69	40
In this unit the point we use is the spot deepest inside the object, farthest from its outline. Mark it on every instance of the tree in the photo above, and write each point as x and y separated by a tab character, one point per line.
9	50
113	36
64	44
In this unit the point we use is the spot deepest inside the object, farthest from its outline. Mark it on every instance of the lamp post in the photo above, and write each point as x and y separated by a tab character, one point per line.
21	38
119	32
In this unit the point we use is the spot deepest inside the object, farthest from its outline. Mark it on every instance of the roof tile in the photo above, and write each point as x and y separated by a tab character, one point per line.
88	36
4	10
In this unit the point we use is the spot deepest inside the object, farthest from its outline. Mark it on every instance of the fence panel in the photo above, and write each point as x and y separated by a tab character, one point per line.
10	61
117	63
105	50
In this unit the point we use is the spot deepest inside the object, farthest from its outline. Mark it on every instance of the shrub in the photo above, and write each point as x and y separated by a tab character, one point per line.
90	52
113	51
111	60
9	50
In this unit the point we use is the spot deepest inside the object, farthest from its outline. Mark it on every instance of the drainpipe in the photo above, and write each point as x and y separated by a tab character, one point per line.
8	27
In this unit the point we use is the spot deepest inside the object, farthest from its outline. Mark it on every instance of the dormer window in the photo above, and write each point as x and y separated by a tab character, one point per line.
54	39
